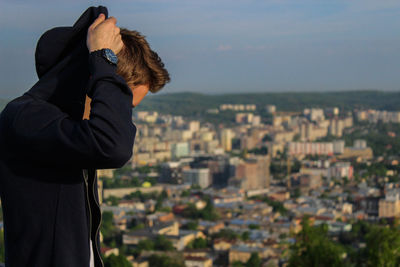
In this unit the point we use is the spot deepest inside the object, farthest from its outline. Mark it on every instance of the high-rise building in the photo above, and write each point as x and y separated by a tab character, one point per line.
314	114
341	170
199	177
252	173
310	148
194	126
338	146
390	205
360	144
171	172
270	108
180	149
336	127
226	139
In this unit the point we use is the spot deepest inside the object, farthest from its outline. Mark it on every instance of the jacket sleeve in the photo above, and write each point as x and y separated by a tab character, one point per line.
49	136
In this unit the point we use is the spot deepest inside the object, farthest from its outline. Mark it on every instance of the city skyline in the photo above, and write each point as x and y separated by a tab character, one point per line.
231	46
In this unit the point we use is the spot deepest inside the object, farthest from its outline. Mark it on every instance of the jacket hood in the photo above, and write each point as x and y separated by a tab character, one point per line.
61	60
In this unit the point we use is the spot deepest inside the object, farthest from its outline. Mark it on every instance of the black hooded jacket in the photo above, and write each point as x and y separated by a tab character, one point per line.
49	155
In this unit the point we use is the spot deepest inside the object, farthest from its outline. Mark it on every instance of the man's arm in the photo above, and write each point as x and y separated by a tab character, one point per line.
44	133
40	132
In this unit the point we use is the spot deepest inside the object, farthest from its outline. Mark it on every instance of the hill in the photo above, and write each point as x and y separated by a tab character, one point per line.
197	104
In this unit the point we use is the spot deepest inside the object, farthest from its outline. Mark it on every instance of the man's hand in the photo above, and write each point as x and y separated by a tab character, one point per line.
103	33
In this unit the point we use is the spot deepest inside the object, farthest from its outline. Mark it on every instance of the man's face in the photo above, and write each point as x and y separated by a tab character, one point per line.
139	92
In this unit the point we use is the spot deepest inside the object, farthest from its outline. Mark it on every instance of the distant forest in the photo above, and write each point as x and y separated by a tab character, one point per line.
196	104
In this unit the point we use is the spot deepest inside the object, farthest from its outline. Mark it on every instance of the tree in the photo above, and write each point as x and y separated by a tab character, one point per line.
192	225
2	247
198	243
254	226
314	248
113	200
116	261
145	244
228	234
267	138
108	229
164	261
162	243
207	213
185	193
245	236
383	245
254	260
296	193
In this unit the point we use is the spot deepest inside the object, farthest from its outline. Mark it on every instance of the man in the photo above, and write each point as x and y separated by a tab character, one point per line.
49	154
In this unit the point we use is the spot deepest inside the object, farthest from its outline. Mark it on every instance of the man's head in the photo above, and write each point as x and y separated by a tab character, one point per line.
140	66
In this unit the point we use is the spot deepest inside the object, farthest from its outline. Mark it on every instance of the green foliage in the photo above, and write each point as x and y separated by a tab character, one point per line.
160	243
279	169
141	196
245	236
227	234
383	245
185	193
198	243
113	200
116	261
145	244
296	193
195	187
194	104
143	169
254	260
136	225
160	200
376	135
237	264
118	183
276	205
192	225
314	248
267	138
164	261
254	226
2	246
207	213
259	151
109	231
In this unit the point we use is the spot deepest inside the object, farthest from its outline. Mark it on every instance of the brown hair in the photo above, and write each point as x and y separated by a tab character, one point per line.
138	64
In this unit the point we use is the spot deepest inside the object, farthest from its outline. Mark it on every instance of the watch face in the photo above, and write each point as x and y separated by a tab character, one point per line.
111	56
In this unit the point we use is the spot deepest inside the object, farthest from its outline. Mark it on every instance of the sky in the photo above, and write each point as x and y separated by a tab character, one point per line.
230	46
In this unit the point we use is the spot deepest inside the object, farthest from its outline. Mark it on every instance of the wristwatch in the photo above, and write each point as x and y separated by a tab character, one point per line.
108	55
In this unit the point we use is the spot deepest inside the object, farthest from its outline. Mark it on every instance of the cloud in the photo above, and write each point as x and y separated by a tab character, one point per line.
223	47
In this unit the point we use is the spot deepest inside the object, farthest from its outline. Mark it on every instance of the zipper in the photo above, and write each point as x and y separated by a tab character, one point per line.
88	203
101	217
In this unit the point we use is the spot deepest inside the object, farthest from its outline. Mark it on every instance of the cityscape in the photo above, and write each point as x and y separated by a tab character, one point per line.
274	143
267	188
